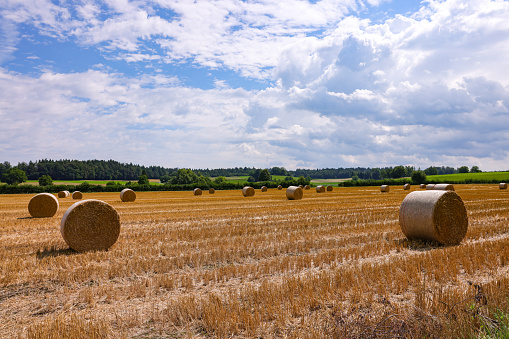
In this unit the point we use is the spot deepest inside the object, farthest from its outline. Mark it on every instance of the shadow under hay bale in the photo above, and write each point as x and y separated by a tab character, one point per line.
53	252
43	205
294	193
248	191
434	215
90	225
127	195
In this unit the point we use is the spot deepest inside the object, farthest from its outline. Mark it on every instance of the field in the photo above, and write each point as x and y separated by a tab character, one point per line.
332	265
500	176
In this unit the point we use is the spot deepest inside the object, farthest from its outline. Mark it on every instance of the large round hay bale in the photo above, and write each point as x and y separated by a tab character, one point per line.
434	215
406	187
212	191
280	187
264	189
430	186
197	191
63	194
329	188
43	205
320	189
307	187
127	195
294	193
502	186
384	188
77	195
422	186
248	191
90	225
443	187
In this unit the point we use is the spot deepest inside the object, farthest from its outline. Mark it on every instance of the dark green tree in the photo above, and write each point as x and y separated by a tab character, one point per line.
463	169
288	178
220	180
398	172
184	176
14	176
418	177
431	170
143	180
264	175
251	179
475	169
45	180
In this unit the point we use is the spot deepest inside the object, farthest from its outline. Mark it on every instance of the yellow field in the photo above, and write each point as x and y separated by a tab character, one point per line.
334	265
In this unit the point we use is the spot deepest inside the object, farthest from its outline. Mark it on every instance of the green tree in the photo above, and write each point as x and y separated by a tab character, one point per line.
251	179
264	175
398	172
431	171
45	180
475	169
143	180
418	177
184	176
289	178
463	169
220	180
14	176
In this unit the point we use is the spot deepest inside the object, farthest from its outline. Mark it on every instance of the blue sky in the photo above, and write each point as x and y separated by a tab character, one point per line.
299	84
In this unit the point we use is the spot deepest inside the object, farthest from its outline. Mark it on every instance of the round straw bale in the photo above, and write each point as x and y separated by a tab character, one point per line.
320	189
434	215
422	186
212	191
43	205
384	188
301	186
502	186
307	187
406	186
248	191
264	189
329	188
63	194
90	225
430	186
77	195
294	193
127	195
443	187
280	187
197	191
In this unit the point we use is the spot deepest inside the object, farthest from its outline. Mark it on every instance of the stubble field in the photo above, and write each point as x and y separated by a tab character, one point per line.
333	264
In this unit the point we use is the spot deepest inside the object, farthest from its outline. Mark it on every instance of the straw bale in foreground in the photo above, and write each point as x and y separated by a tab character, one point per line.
406	186
384	188
197	191
43	205
77	195
434	215
320	189
502	186
329	188
90	225
294	193
264	189
248	191
127	195
443	187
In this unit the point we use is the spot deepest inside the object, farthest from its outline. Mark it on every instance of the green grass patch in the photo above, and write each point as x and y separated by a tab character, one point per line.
489	176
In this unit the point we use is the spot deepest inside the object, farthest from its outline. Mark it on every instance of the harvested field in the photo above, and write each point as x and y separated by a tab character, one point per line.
330	265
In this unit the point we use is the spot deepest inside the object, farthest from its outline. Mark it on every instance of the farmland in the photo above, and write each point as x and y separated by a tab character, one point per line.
333	264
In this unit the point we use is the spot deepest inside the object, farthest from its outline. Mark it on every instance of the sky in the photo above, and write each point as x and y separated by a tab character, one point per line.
257	83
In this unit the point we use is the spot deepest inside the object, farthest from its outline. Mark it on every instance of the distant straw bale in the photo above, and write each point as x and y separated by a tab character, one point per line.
212	191
63	194
329	188
294	193
280	187
443	187
197	191
430	186
301	186
90	225
502	186
434	215
320	189
422	186
406	187
307	187
248	191
264	189
384	188
77	195
127	195
43	205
